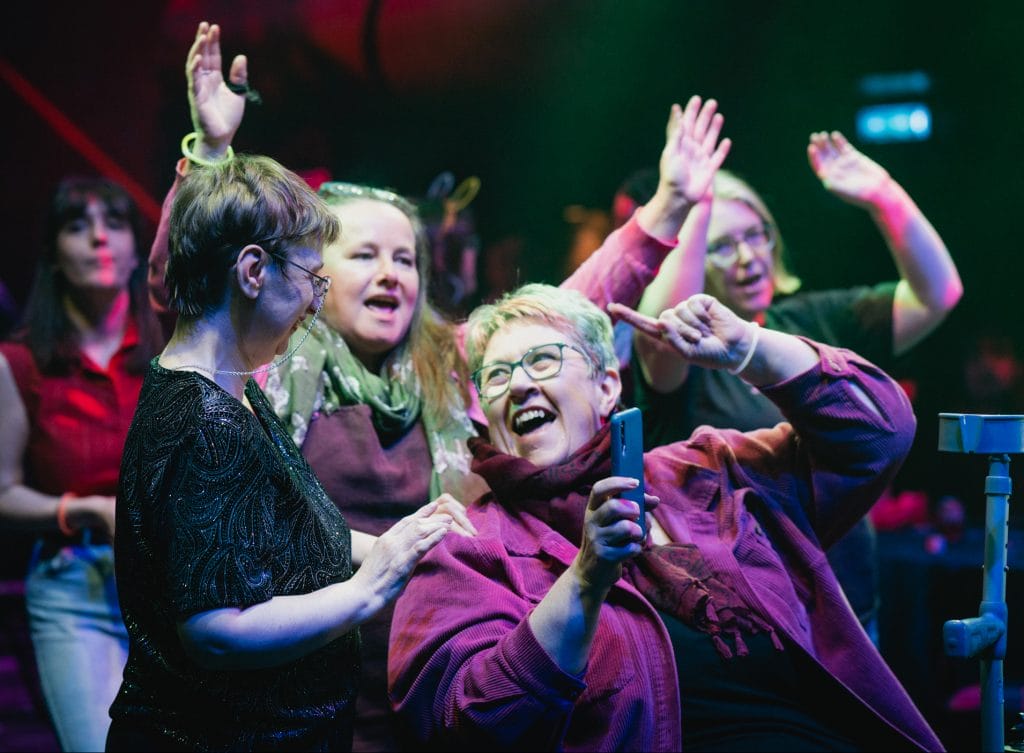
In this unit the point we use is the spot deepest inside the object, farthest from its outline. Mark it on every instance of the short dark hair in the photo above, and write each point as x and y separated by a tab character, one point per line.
220	209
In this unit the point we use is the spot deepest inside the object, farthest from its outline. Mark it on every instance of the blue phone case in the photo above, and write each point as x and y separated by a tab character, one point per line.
628	454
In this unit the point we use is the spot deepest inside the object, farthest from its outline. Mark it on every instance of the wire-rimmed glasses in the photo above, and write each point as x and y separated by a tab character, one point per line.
321	284
724	251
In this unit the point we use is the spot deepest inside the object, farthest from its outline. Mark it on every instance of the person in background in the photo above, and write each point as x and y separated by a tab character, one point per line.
454	243
503	261
564	628
8	311
233	565
378	396
732	248
69	381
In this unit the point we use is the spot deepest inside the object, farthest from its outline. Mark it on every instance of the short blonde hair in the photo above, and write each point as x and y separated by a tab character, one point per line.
568	311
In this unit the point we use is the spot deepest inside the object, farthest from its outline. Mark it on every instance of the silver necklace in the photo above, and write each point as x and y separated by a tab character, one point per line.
270	366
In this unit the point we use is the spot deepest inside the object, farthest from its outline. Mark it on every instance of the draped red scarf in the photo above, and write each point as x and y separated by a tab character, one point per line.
674	578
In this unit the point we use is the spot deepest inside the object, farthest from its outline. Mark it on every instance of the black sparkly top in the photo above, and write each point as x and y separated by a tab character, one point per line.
217	508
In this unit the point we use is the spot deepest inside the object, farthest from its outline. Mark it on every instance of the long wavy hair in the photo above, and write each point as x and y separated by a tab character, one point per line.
430	341
45	326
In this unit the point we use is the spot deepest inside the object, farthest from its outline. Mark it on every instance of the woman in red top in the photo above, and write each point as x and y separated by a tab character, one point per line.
69	382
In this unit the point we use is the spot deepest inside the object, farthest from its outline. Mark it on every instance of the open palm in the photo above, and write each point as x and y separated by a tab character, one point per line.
844	171
216	110
692	150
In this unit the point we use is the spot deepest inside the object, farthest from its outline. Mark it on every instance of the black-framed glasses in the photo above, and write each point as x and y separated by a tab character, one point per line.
540	362
724	251
321	284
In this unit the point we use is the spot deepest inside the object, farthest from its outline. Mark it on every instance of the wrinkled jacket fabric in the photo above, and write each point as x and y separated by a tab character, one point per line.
466	671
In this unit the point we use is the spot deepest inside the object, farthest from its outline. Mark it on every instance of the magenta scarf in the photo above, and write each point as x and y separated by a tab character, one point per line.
675	578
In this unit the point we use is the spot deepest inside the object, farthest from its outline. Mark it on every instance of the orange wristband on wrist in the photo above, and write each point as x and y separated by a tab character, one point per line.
62	514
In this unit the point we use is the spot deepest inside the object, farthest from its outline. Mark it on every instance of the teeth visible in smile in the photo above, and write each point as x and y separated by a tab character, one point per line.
525	419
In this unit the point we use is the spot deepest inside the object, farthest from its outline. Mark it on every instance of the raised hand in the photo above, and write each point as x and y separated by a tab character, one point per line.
216	110
703	331
844	171
692	152
691	156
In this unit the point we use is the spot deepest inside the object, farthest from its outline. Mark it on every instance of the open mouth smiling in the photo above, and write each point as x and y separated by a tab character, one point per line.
384	303
750	280
531	419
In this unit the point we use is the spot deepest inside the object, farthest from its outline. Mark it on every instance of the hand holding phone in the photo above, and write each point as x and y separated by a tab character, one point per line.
628	455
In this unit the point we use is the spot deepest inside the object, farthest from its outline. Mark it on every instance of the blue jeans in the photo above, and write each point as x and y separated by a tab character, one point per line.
79	639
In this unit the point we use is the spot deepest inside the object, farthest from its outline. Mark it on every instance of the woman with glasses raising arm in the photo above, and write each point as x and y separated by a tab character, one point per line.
731	248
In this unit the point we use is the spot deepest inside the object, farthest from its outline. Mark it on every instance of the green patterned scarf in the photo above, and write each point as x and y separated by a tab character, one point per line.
323	375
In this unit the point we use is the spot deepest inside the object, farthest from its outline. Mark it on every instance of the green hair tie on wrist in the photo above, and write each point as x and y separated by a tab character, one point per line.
186	149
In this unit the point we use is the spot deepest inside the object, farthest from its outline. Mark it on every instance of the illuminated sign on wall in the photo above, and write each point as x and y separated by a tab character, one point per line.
898	121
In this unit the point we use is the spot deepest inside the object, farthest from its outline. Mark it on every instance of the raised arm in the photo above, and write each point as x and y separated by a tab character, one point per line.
680	276
216	113
929	285
630	257
215	108
706	333
854	424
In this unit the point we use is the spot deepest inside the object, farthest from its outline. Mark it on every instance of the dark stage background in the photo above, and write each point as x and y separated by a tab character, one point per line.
552	103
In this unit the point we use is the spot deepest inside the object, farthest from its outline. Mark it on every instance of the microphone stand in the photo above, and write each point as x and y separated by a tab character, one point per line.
984	636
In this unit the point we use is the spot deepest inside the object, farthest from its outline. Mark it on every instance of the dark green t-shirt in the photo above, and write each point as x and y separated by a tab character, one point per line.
859	319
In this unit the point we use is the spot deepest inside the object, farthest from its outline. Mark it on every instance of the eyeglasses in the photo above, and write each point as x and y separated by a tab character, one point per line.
724	251
320	283
540	362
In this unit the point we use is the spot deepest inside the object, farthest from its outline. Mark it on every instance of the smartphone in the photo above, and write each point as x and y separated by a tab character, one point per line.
628	454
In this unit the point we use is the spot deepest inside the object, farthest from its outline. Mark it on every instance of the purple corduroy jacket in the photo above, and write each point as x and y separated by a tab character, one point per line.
466	671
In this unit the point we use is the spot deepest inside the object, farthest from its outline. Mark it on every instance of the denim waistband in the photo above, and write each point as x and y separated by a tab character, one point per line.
54	541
